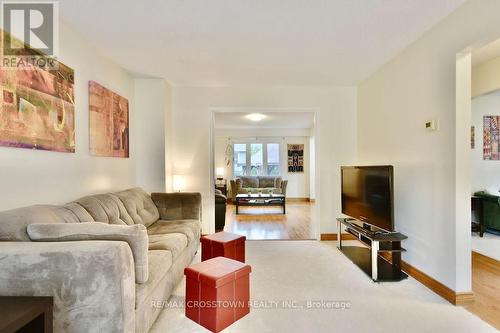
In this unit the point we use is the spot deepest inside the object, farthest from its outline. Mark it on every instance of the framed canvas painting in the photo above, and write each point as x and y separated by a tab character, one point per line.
295	158
108	122
37	107
491	138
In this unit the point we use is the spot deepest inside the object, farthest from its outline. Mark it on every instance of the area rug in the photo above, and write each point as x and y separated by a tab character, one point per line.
309	286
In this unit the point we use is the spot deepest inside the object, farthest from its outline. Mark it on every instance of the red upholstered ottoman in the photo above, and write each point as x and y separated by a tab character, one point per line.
217	292
223	244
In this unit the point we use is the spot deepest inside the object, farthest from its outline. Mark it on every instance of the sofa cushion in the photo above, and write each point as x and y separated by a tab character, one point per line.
159	262
139	206
247	181
174	242
190	228
13	222
267	181
79	212
106	208
260	190
178	206
135	235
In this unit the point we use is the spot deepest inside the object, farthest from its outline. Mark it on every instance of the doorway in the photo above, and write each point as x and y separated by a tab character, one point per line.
251	149
478	164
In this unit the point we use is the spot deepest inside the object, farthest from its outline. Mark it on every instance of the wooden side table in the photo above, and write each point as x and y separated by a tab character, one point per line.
26	314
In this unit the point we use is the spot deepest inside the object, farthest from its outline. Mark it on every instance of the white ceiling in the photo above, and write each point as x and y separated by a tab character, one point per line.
486	53
254	42
274	120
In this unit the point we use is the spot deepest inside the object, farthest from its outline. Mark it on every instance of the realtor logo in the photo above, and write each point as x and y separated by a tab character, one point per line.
29	27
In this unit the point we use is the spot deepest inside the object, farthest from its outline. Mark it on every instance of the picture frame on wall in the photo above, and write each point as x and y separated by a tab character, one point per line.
108	122
295	158
491	138
37	103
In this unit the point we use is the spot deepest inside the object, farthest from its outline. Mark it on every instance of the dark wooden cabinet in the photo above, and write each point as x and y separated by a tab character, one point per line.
477	223
26	314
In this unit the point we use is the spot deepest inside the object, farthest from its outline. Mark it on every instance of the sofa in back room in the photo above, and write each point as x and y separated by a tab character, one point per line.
105	258
256	184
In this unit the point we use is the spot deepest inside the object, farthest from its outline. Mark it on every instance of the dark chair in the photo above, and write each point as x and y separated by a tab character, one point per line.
220	210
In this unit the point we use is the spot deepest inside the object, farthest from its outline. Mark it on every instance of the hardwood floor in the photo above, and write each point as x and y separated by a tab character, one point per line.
258	223
486	288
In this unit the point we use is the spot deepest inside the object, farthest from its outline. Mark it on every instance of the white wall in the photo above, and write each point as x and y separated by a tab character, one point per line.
312	167
151	103
33	177
484	173
394	103
486	102
335	137
298	183
486	77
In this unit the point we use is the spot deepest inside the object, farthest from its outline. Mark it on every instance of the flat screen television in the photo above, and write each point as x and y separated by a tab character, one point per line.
368	195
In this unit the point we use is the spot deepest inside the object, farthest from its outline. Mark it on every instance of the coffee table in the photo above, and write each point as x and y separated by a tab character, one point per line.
260	200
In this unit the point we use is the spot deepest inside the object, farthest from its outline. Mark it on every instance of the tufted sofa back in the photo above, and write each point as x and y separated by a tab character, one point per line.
106	208
13	222
133	206
260	181
139	206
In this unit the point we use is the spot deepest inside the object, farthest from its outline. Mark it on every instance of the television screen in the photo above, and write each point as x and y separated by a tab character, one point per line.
367	195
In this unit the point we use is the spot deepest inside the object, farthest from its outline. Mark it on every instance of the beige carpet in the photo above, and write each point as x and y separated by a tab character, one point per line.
301	271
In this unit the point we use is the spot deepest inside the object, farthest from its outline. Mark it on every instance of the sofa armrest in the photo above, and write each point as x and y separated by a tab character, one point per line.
135	235
284	184
92	282
178	206
235	187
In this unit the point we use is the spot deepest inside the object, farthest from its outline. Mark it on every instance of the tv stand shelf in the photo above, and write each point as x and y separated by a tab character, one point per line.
376	241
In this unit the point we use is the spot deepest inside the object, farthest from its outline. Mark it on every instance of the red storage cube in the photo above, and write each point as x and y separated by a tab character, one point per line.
217	292
223	244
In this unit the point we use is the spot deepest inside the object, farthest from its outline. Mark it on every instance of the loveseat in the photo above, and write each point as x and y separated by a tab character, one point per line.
109	260
256	184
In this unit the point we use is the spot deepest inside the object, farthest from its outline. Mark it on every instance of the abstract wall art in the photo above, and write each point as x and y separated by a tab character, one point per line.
37	109
295	157
491	138
108	122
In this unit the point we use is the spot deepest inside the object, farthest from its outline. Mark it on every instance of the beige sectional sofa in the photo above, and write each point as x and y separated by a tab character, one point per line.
104	275
256	184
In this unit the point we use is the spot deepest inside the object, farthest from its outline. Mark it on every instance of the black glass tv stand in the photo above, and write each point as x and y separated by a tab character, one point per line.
380	258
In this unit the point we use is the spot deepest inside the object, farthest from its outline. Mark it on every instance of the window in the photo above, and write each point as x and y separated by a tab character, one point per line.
240	159
273	159
256	159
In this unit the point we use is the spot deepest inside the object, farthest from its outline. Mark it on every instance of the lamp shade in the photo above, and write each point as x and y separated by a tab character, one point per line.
220	172
178	183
